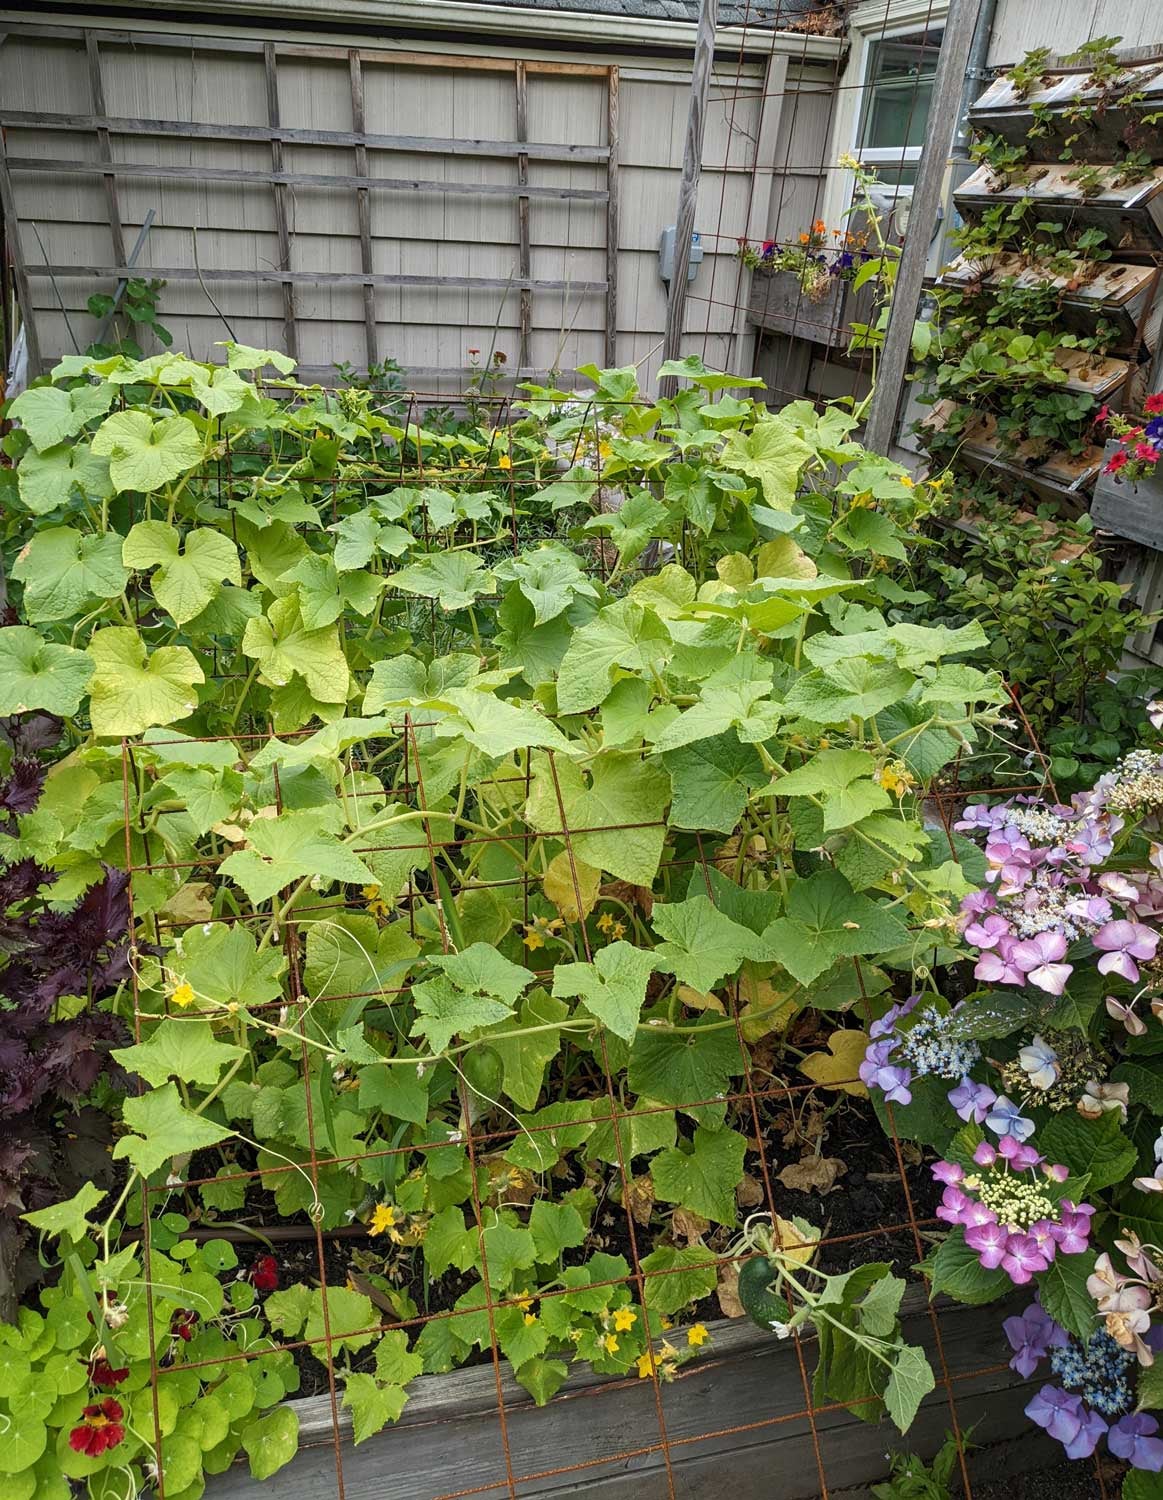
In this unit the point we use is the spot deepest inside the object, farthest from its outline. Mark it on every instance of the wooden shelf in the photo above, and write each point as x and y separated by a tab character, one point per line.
1002	111
1131	215
1119	293
1059	478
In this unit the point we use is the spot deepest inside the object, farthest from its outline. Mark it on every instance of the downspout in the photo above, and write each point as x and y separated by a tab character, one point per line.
976	76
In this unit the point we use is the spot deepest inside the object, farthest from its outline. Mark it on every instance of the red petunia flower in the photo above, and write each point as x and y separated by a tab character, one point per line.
102	1373
99	1430
183	1323
1146	453
1101	415
1153	405
264	1274
1116	462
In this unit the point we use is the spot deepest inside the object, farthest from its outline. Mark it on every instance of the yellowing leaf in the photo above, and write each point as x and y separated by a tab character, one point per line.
839	1067
559	887
767	1009
695	1000
782	558
795	1239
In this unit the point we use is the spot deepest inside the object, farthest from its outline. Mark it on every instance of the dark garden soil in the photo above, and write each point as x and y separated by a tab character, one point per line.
1065	1481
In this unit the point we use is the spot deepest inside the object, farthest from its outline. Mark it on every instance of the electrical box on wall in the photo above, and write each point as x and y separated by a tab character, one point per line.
666	254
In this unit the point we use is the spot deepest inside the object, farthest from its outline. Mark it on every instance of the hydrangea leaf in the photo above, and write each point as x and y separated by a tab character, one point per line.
145	453
35	673
613	987
285	648
186	1049
292	847
453	578
132	690
188	573
46	480
703	1178
164	1128
64	572
50	414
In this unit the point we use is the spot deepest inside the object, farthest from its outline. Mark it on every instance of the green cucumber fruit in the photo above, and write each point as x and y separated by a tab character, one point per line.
762	1305
484	1072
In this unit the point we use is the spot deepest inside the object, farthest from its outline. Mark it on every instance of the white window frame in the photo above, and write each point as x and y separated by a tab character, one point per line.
870	22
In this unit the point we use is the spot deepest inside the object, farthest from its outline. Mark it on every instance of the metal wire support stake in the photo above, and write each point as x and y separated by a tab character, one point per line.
947	90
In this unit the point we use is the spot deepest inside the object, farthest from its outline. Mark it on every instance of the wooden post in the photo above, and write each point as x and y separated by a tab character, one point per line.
524	251
363	210
105	150
688	192
290	332
613	230
762	205
943	112
19	266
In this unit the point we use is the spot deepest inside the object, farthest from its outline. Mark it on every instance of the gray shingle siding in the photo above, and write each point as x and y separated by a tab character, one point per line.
731	12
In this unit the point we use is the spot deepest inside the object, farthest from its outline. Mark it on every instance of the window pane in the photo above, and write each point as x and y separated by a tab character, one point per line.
899	91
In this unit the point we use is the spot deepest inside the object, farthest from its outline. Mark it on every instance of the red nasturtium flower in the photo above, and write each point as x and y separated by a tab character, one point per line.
183	1323
102	1373
1153	405
264	1274
100	1428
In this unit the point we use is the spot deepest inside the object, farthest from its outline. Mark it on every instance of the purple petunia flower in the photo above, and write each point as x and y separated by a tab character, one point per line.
972	1101
1133	1438
1122	943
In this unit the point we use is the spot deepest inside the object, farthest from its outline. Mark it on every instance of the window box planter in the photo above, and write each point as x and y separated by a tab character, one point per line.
1134	511
779	304
1131	215
735	1411
1120	293
1002	111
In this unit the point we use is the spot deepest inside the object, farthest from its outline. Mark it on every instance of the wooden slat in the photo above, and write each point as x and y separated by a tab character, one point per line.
300	179
19	265
19	119
97	88
363	209
612	211
688	191
290	332
734	1421
524	251
331	278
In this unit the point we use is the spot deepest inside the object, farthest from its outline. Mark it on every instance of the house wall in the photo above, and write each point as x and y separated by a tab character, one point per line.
64	219
1021	25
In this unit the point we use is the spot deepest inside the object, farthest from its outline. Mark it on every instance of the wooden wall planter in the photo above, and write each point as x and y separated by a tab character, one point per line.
1002	111
748	1391
1060	478
779	304
1134	511
1131	215
1120	293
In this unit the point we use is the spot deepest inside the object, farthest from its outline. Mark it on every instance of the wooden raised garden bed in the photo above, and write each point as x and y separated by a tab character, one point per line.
1003	111
1119	293
1134	511
746	1394
1131	215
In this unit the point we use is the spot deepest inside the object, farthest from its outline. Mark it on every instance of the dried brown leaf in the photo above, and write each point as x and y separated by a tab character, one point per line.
814	1174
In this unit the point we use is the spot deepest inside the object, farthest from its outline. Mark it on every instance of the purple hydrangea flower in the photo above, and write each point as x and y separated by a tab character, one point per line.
1039	960
972	1101
1085	1440
1133	1438
989	1240
1058	1412
1023	1256
1005	1118
1122	943
1032	1336
1038	1060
